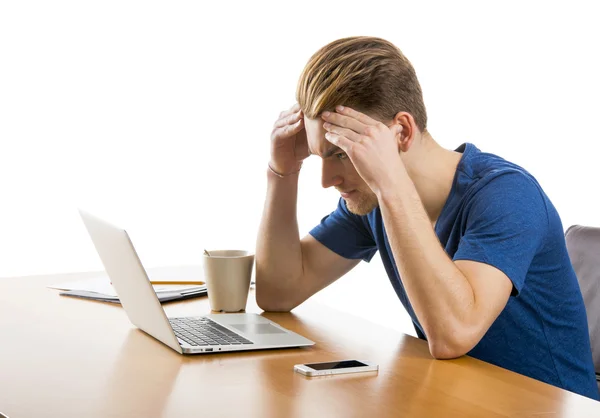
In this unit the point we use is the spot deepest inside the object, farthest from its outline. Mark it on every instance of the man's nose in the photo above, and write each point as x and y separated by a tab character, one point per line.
330	174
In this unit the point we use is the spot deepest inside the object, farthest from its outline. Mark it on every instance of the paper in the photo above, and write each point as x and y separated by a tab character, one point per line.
102	285
101	282
162	296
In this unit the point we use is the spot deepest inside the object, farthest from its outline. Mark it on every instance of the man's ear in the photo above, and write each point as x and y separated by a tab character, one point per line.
405	128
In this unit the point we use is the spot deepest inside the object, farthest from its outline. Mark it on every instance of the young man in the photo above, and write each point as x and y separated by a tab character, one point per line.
471	244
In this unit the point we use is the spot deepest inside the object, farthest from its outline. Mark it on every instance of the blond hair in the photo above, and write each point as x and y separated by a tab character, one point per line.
365	73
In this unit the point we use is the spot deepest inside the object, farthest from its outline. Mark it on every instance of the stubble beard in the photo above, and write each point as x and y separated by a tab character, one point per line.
363	203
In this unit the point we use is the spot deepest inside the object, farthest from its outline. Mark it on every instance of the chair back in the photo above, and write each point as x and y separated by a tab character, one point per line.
583	245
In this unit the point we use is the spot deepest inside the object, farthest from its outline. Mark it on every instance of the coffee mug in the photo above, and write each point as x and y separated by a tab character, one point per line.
227	274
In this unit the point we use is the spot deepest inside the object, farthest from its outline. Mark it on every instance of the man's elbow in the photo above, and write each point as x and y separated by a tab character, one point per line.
273	307
446	348
440	351
268	303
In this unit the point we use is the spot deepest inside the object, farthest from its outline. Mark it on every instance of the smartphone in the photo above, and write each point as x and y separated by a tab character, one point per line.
335	367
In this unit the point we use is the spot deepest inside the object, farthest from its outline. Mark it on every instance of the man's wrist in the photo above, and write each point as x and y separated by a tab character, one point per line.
396	189
281	173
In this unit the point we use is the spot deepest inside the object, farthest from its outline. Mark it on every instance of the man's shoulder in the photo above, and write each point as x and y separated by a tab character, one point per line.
489	176
511	189
492	187
478	164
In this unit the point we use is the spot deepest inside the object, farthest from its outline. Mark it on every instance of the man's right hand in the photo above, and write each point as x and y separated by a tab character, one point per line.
289	270
289	146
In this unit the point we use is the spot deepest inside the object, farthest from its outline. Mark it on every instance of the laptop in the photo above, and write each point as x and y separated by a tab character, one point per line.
186	335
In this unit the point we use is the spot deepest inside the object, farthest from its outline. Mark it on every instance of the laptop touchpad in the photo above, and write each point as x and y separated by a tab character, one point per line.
258	329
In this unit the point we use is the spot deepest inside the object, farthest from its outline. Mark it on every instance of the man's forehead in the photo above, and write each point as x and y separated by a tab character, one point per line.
317	144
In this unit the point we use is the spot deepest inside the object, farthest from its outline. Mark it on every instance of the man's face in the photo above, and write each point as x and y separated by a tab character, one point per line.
338	170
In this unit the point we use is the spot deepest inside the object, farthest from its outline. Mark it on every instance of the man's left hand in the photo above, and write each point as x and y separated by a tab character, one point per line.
371	145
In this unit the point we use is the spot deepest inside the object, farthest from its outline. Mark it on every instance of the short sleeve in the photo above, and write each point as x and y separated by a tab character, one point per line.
346	234
507	222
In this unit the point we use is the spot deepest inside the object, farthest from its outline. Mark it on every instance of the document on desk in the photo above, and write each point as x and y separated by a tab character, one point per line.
99	288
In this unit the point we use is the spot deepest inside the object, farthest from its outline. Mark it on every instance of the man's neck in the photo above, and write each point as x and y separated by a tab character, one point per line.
432	170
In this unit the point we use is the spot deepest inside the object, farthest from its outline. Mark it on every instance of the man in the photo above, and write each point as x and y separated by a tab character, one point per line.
472	245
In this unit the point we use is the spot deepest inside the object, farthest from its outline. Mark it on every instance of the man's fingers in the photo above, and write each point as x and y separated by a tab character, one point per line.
288	120
288	130
291	110
345	122
344	143
361	117
348	133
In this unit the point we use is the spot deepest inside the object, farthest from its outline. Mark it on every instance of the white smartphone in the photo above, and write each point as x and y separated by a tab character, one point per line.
336	367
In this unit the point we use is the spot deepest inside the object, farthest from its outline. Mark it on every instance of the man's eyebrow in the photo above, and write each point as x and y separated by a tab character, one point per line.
330	152
327	153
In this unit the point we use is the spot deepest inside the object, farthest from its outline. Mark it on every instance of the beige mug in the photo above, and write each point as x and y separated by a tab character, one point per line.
227	274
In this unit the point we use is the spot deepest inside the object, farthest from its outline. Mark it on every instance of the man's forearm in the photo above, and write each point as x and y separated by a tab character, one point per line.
439	293
278	250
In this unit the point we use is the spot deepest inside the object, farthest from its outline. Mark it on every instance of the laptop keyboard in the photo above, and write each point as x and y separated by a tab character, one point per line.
204	332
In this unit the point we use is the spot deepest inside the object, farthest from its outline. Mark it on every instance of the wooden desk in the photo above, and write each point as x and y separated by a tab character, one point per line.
63	357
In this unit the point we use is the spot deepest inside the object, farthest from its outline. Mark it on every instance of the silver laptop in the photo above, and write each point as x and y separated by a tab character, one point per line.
186	335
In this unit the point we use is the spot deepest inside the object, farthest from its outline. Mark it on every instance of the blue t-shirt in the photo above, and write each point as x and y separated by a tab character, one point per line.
497	213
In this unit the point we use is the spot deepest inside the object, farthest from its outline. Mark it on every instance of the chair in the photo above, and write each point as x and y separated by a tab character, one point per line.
583	245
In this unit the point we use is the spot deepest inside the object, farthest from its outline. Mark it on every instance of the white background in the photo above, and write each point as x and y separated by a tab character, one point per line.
157	115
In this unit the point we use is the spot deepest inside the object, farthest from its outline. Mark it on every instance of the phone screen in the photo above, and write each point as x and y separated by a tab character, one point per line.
336	365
